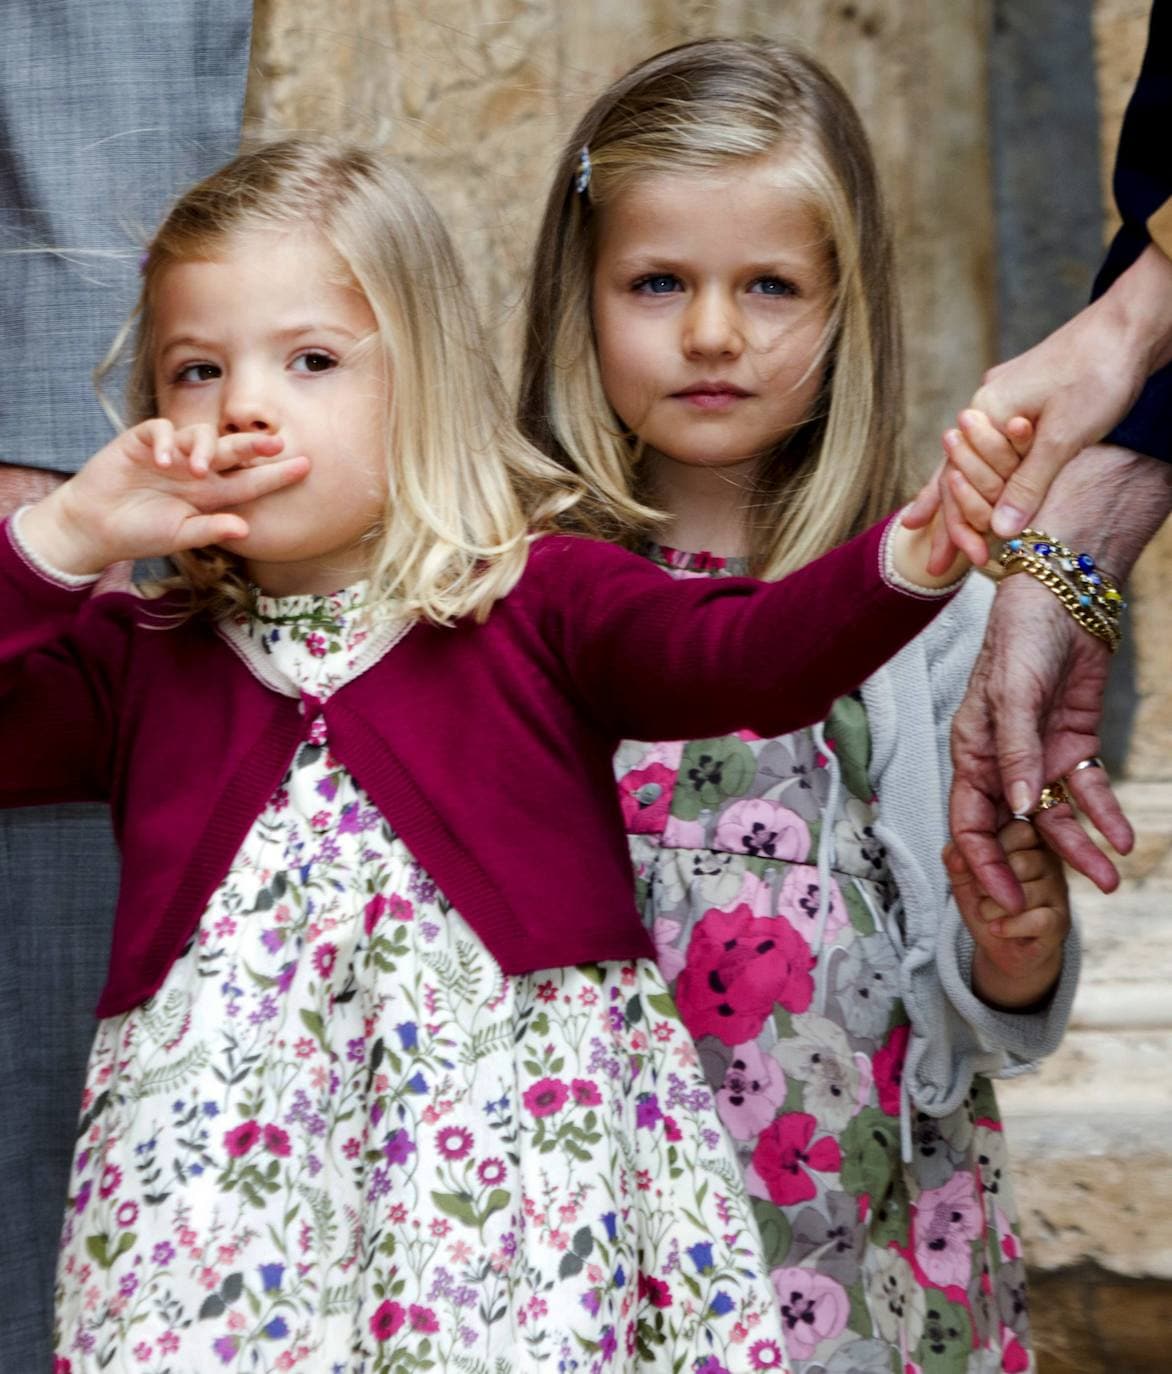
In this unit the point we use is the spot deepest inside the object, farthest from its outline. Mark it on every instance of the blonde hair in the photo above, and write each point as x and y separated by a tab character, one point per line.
464	489
700	107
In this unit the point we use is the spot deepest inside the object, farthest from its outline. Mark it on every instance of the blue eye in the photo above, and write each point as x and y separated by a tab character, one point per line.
314	360
773	286
661	284
197	372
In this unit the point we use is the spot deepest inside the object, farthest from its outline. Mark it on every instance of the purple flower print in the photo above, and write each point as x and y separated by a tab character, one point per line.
647	1112
271	1276
399	1148
225	1347
813	1307
947	1220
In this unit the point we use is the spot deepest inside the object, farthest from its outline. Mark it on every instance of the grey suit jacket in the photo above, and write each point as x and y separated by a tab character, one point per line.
107	109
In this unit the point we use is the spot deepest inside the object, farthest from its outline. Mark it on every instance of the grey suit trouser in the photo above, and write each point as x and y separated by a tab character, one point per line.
107	109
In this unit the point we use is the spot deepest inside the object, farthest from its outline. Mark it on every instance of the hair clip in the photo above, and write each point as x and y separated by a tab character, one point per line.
582	180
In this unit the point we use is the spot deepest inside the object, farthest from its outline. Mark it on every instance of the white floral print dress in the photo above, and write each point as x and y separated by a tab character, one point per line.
340	1139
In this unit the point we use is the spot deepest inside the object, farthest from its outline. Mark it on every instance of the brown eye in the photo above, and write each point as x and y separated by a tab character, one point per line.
314	361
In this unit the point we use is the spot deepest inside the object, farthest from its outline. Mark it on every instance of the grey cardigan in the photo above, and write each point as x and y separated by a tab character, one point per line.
910	703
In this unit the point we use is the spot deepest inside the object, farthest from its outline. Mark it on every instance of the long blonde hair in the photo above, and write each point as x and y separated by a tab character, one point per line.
464	489
700	107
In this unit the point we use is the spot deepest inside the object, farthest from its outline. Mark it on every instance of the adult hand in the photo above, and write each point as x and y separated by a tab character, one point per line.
1080	381
1031	713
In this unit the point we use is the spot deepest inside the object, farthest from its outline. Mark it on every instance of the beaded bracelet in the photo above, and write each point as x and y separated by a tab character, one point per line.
1090	596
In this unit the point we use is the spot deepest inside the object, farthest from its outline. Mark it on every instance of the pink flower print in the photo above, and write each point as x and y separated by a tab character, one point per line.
784	1154
738	967
657	1293
798	901
491	1172
422	1319
584	1093
645	797
753	1089
453	1142
546	1096
111	1178
241	1139
946	1222
887	1065
1014	1358
374	911
324	958
388	1318
276	1141
671	960
316	644
763	828
814	1308
766	1355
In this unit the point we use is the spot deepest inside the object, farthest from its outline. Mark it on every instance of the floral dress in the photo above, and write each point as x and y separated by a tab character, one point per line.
340	1139
880	1266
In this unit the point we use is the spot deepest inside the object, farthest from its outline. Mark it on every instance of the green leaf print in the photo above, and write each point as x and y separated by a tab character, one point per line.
583	1242
499	1198
947	1341
711	772
847	727
859	1320
857	909
312	1022
213	1307
571	1264
776	1232
870	1153
103	1252
634	1011
663	1004
232	1287
458	1206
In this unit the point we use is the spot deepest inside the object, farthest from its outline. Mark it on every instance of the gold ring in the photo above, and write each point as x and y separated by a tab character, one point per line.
1052	795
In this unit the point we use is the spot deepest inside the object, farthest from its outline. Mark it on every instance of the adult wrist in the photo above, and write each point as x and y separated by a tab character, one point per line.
1143	298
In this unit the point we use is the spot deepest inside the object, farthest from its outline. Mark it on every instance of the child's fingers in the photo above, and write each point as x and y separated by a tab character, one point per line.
1020	433
199	531
973	507
1019	834
236	450
991	446
964	512
1031	865
196	444
927	502
152	441
1041	923
962	457
243	484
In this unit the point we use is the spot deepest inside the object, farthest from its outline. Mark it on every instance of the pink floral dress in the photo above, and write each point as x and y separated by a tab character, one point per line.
880	1266
340	1139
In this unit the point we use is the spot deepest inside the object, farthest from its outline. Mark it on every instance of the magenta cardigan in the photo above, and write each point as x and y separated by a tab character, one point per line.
487	747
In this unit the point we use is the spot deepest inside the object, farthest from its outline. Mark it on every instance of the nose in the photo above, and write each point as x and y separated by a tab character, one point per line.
246	407
713	327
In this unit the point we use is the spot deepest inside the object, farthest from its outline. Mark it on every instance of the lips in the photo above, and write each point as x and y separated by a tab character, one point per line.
713	389
714	396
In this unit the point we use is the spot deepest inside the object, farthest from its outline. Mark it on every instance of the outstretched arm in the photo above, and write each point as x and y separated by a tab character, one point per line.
1035	701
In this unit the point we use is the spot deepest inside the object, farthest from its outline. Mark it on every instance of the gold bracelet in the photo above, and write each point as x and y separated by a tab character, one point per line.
1085	616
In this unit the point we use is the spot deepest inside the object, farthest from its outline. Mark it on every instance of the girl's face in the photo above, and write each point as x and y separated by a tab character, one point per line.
711	296
272	336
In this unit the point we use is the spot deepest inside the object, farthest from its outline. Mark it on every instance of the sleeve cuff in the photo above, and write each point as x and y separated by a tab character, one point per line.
72	581
896	580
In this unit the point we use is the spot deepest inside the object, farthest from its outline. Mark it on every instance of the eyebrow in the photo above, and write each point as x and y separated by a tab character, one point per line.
287	334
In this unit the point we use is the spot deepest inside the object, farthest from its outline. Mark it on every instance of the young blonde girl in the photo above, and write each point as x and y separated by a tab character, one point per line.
384	1076
713	344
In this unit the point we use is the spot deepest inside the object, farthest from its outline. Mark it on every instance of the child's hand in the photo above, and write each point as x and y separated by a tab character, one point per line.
1018	958
956	506
154	491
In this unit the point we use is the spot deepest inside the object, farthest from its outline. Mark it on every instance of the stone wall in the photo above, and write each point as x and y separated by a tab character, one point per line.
476	96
